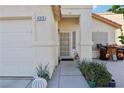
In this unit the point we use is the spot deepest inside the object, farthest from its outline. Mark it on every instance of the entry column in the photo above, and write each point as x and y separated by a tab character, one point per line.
86	34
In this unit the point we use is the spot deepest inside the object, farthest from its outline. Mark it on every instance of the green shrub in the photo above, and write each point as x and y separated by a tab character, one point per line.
87	71
43	72
121	39
95	72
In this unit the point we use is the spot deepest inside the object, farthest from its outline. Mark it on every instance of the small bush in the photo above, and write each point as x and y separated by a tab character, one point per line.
95	72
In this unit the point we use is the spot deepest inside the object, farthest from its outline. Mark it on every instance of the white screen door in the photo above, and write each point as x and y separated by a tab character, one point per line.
64	44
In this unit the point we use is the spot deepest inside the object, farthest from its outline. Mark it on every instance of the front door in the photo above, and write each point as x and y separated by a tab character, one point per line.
64	44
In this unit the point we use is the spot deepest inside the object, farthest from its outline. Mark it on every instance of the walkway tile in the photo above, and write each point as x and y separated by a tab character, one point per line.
54	82
69	68
67	75
72	82
116	69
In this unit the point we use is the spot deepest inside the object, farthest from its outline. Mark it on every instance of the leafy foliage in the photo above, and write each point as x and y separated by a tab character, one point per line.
95	72
87	71
43	72
118	9
121	39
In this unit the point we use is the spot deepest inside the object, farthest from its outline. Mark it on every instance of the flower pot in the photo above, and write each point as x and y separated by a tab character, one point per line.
101	85
112	83
92	84
39	83
106	85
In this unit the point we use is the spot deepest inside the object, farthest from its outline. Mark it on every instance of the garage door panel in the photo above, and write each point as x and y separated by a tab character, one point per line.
16	55
20	69
15	40
16	26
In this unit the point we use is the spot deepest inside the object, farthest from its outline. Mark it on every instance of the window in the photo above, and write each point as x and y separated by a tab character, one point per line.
73	40
99	37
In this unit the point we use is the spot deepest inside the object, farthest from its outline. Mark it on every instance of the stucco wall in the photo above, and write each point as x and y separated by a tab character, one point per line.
23	10
70	25
46	41
44	38
86	26
103	27
85	33
116	18
99	26
45	33
74	10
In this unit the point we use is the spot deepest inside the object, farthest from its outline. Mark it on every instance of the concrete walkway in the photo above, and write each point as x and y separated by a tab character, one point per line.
15	82
67	75
116	69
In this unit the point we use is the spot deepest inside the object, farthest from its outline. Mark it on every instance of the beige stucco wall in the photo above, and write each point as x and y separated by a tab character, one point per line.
99	26
85	33
116	18
71	24
44	35
86	26
74	10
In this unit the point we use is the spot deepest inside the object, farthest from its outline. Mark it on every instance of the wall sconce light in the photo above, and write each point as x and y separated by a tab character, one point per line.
58	31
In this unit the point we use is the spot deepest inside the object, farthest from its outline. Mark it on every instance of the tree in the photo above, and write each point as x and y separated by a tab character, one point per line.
121	37
118	9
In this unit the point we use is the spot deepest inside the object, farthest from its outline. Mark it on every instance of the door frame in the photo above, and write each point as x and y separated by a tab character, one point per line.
69	46
70	43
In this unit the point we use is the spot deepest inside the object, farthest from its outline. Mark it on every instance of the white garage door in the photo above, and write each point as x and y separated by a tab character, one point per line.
16	48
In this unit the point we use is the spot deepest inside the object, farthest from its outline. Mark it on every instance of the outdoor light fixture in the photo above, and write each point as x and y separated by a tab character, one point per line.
58	31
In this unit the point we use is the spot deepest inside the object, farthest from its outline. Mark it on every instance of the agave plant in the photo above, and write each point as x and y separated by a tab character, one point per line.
43	72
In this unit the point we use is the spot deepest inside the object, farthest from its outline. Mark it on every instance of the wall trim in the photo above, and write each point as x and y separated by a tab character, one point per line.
86	44
40	45
15	17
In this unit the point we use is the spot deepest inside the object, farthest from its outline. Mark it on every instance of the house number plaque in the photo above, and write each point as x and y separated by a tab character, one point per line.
41	18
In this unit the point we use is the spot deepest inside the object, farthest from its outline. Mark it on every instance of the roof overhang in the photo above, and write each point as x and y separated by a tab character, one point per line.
56	11
107	21
57	15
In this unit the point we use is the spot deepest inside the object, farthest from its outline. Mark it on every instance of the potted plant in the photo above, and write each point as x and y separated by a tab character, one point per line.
76	57
91	79
43	77
88	73
102	76
96	74
112	83
43	72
